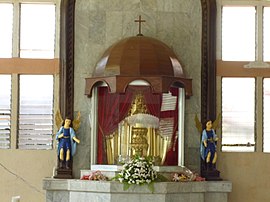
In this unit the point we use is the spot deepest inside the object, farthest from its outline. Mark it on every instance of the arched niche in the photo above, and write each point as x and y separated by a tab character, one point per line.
208	62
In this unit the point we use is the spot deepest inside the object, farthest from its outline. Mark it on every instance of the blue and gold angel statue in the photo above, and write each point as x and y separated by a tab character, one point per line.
67	138
208	141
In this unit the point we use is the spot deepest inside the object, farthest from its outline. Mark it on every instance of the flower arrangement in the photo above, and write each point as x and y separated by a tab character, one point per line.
96	176
181	177
186	175
138	171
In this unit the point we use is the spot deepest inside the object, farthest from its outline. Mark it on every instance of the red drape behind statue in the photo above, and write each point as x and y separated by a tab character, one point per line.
113	108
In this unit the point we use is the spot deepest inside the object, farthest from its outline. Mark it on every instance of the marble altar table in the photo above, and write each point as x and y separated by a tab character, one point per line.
75	190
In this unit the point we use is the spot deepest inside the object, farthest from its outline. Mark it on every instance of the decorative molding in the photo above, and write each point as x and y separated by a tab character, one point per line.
67	58
208	63
159	84
66	100
208	76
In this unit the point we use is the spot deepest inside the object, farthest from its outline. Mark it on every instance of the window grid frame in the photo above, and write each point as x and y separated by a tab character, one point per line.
258	29
263	123
238	69
255	120
16	66
5	114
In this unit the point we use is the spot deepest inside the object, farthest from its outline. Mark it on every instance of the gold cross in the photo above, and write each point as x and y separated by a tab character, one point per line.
139	21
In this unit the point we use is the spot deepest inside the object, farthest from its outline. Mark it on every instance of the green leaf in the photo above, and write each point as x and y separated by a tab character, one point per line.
126	186
151	187
161	178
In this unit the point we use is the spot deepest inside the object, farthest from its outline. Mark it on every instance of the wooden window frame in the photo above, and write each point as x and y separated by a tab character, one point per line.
16	66
244	69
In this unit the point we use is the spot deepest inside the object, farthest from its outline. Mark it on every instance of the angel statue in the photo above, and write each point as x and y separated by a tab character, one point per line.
67	138
208	142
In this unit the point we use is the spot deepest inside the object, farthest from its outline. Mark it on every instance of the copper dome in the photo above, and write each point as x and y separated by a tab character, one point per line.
139	58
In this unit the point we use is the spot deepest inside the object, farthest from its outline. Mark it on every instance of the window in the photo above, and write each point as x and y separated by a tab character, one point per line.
238	114
28	58
245	30
266	115
243	71
266	34
6	12
37	33
35	112
5	111
238	33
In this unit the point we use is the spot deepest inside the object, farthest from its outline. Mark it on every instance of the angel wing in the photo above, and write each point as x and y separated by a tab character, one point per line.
77	122
198	124
216	123
58	119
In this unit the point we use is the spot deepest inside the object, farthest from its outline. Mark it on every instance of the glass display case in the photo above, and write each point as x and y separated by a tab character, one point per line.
138	122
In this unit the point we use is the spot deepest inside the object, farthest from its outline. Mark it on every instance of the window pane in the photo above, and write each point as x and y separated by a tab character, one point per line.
36	112
266	34
238	33
37	31
238	114
5	111
266	115
6	13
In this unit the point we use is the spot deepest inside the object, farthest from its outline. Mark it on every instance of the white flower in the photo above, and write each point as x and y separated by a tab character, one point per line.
138	171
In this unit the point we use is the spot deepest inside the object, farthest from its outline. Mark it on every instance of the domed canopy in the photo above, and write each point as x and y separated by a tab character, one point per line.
139	58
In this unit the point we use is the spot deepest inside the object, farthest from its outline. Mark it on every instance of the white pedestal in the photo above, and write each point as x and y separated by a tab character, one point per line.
67	190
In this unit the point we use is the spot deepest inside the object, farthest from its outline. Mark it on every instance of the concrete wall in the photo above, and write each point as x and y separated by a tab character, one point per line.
249	173
22	172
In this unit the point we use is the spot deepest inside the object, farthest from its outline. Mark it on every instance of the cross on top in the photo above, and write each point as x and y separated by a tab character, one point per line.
140	22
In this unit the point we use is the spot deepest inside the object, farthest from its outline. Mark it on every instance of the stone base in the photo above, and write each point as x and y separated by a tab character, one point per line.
112	191
211	175
62	173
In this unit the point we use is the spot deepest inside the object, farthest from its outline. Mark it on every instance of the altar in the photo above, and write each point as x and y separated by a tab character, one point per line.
137	93
68	190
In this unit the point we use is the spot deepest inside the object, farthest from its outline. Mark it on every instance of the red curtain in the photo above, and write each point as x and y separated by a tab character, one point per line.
153	102
112	109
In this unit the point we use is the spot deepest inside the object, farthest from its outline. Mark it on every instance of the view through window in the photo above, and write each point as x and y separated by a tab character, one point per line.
28	58
243	55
